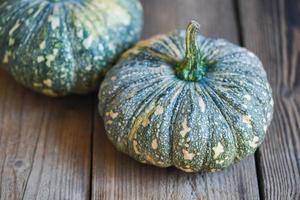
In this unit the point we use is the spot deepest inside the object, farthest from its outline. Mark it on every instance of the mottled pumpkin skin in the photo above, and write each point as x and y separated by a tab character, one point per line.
58	47
207	125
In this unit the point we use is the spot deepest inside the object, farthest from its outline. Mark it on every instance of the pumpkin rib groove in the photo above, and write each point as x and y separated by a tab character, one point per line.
228	102
146	86
149	99
171	48
159	55
249	83
197	140
74	65
36	26
199	88
208	49
252	66
144	105
3	4
113	97
26	41
180	100
228	58
88	8
261	103
226	117
135	124
173	118
24	6
179	44
216	51
77	69
235	86
32	28
235	130
159	101
237	82
176	108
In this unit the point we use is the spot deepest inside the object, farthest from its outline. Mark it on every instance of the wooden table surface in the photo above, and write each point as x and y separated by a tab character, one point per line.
56	148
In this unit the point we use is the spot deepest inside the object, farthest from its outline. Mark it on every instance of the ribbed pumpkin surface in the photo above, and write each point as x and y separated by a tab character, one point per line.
58	47
155	116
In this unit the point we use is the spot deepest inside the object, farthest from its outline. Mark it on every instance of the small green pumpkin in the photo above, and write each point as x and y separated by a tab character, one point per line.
58	47
184	100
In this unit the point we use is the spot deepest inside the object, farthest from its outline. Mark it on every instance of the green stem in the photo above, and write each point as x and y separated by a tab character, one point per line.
192	68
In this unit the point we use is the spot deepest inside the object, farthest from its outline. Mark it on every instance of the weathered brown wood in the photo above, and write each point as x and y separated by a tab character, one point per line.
116	176
45	144
272	30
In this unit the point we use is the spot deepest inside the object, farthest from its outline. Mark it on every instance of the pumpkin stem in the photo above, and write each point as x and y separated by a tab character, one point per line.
192	68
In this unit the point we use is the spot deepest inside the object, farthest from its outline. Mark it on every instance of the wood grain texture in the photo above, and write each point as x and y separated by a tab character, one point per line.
45	150
116	176
272	30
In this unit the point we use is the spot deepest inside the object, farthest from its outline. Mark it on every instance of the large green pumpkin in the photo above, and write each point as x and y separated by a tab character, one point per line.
58	47
199	106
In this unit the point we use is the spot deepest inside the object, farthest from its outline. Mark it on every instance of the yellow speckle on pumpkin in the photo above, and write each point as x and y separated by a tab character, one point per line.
220	161
51	57
30	11
185	128
11	41
113	115
186	169
14	28
88	67
49	92
37	85
55	52
265	128
80	33
254	142
135	148
154	144
87	43
269	116
48	82
150	159
218	150
247	120
159	110
247	97
272	102
55	21
40	59
43	45
251	54
6	57
145	122
187	155
201	104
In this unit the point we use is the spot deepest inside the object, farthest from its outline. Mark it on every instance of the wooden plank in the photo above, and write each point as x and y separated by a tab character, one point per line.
45	144
116	176
272	30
